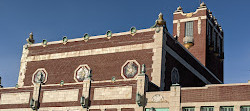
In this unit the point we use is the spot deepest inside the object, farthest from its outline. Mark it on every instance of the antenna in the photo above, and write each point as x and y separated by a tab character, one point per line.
200	1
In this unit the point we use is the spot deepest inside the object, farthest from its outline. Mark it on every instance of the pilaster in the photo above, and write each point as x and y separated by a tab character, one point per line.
175	100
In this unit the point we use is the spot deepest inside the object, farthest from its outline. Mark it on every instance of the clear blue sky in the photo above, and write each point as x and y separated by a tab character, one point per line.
52	19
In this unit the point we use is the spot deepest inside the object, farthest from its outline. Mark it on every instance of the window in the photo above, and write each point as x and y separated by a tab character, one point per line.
227	108
207	108
189	29
188	109
245	108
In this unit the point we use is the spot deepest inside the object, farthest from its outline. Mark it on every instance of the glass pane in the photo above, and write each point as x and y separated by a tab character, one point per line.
189	29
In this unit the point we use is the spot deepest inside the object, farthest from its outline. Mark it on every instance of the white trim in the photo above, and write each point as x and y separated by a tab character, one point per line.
182	13
214	28
190	19
188	66
94	37
92	52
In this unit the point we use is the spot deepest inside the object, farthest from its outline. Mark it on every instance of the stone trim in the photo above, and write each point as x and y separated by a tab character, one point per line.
158	73
94	37
15	98
184	14
91	52
23	66
60	95
111	93
117	80
190	19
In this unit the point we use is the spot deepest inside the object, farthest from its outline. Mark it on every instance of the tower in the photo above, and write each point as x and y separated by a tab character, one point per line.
200	33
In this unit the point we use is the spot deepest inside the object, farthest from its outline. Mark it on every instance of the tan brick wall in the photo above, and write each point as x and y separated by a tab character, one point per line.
15	98
109	93
60	95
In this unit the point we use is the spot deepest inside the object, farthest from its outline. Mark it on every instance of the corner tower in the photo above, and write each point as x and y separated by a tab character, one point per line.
200	33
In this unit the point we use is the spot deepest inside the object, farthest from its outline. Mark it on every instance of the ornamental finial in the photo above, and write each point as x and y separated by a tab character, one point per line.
179	9
203	5
30	40
160	21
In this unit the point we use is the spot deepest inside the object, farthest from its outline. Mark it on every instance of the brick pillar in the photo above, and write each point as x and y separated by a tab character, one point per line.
36	93
85	92
175	98
141	90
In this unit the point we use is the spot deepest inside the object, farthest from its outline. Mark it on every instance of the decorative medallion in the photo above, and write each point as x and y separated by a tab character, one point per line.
109	34
44	43
40	76
175	78
65	40
86	37
157	98
130	69
132	31
82	73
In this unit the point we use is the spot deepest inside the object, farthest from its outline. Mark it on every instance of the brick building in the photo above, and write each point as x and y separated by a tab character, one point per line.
137	70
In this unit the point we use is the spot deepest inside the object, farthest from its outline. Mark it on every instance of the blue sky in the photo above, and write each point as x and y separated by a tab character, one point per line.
53	19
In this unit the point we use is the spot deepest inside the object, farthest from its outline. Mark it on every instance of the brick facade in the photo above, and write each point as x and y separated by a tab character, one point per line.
148	58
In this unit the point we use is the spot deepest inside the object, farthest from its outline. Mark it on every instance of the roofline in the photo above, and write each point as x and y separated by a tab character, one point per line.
93	37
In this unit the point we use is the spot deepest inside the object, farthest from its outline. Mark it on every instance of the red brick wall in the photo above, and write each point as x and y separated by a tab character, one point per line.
200	48
216	94
128	109
103	66
94	110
